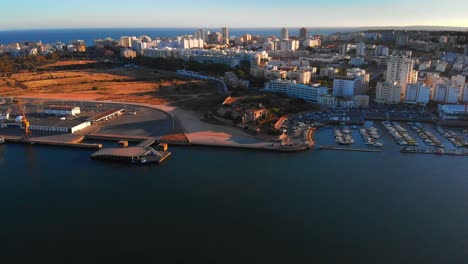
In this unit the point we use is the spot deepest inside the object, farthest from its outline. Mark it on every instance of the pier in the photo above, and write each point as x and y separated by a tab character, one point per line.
138	155
350	149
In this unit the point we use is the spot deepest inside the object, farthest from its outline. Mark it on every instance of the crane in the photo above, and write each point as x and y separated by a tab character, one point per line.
24	120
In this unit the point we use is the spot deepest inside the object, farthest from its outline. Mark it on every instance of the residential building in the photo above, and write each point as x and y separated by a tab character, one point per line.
128	53
344	48
328	72
464	97
446	94
466	50
346	87
202	34
225	35
357	61
361	100
302	77
458	81
400	69
441	66
327	101
418	93
284	33
453	112
126	41
388	93
312	43
360	74
293	89
289	44
303	33
401	39
381	50
361	49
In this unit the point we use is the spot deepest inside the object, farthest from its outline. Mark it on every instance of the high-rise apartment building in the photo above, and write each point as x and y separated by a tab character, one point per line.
225	34
418	93
388	93
284	33
303	33
400	69
361	49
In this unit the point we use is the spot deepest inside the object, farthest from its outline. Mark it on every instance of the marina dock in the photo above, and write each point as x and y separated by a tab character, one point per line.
349	149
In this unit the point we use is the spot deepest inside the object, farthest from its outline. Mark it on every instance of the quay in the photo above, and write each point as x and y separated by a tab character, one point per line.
349	149
57	143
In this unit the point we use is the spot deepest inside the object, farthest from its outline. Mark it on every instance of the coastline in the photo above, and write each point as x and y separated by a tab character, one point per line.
195	131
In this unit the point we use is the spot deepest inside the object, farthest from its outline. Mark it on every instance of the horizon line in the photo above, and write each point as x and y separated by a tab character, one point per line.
247	27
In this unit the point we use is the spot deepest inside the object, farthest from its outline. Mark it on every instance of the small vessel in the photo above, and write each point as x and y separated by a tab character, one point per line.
378	144
2	140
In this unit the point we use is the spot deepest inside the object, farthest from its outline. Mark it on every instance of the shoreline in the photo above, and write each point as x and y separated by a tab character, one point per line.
197	132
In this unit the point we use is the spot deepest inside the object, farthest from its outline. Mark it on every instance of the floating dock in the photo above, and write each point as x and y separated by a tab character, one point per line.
433	151
350	149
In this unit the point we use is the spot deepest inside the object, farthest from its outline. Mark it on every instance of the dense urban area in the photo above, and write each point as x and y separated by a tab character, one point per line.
278	88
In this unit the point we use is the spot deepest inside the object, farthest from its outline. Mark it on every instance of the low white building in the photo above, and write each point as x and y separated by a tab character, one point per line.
453	112
293	89
62	110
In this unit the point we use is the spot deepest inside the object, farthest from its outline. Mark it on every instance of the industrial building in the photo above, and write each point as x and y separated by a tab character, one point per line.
62	110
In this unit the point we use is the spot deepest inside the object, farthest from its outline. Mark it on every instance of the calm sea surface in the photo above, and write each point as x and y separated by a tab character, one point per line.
235	206
89	35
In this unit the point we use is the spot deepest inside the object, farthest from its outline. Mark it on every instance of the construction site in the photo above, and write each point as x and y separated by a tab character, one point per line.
129	133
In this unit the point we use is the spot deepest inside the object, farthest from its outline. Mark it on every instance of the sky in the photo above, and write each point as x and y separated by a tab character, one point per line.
29	14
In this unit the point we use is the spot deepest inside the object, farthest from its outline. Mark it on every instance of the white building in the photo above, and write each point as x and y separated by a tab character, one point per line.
418	93
357	61
458	81
284	33
128	53
381	50
293	89
441	66
464	97
287	44
346	87
388	93
302	77
361	49
126	41
359	74
446	94
62	110
361	100
328	72
453	112
400	69
311	43
327	101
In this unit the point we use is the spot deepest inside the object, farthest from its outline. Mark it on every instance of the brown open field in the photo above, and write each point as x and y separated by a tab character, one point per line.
81	80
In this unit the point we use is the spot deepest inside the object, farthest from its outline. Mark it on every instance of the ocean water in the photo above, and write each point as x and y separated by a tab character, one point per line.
89	35
216	205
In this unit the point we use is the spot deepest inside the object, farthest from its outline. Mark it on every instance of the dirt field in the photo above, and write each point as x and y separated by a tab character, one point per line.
82	80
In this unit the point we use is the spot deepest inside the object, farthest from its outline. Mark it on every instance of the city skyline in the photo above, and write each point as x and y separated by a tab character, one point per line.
240	14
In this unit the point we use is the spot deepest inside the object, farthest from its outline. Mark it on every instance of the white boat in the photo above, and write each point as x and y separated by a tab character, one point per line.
2	140
378	144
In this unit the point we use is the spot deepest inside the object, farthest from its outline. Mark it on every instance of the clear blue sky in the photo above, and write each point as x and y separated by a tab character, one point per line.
29	14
